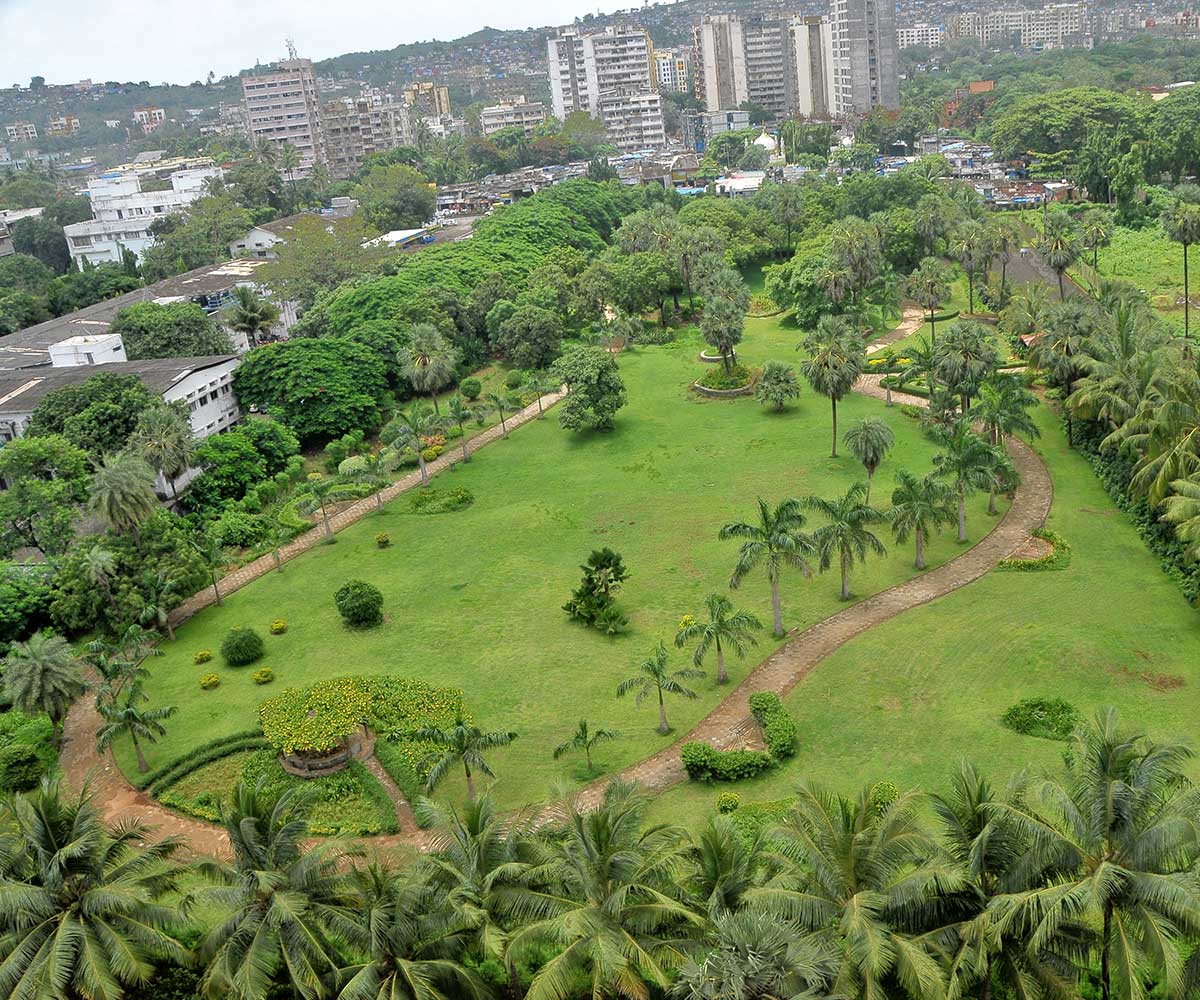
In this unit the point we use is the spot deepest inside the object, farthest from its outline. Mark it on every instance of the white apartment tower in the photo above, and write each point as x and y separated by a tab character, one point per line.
284	107
811	45
864	56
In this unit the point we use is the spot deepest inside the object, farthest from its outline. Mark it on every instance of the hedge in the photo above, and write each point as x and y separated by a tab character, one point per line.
401	759
145	780
706	763
195	763
779	729
1059	557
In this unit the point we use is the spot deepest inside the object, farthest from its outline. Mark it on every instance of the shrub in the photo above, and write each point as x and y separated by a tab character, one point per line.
241	646
359	604
429	454
436	501
912	410
315	719
752	818
206	753
592	601
705	763
717	378
278	626
1059	557
653	334
883	794
1047	718
21	767
779	729
470	388
514	380
728	802
203	656
263	675
383	540
209	681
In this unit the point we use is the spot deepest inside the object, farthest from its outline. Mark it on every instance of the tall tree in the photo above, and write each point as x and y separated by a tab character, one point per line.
776	542
920	507
163	437
965	462
131	719
1096	231
972	245
846	534
463	743
41	676
653	677
428	361
1058	246
870	439
123	493
1003	408
929	287
835	360
250	314
1181	222
725	628
966	355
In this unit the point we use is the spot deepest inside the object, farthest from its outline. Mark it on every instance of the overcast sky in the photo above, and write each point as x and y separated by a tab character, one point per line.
178	41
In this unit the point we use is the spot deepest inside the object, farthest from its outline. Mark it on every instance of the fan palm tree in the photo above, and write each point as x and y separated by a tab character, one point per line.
726	628
1181	222
1006	236
965	463
609	916
428	361
775	542
133	720
41	676
123	493
1059	247
1113	841
653	678
846	535
585	739
82	909
929	286
835	360
921	508
283	905
463	743
249	313
408	428
870	439
1003	408
930	220
1025	312
163	437
372	469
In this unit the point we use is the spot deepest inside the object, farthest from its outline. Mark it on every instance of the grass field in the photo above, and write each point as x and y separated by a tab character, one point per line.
473	598
908	699
1153	263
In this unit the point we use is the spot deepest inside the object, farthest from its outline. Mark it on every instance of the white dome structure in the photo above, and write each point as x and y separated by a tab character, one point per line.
767	142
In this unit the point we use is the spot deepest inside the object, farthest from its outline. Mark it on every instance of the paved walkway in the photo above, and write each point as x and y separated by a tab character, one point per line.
728	726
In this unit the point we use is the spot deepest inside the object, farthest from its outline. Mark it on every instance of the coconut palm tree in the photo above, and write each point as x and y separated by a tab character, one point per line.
1113	841
726	628
163	437
99	567
921	508
846	535
1095	231
1182	509
870	439
724	867
283	906
1069	328
1181	222
132	720
776	542
973	246
1059	247
835	360
373	469
653	678
83	911
1165	432
458	412
288	162
463	743
501	405
408	429
123	493
160	594
929	286
428	361
585	739
966	463
41	676
965	357
249	313
1003	408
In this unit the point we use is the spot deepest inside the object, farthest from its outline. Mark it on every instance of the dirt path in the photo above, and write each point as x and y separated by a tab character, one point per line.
910	322
729	725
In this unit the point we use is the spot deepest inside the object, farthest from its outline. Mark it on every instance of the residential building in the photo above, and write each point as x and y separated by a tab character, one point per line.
673	70
122	211
6	243
428	99
864	63
922	34
149	118
633	120
21	132
62	125
518	113
355	128
811	52
284	107
721	81
1051	26
699	128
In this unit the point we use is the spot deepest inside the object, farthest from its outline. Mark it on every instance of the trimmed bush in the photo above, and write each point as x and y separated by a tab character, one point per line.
705	763
278	626
378	796
470	388
359	604
779	729
264	675
514	380
717	378
206	753
242	646
883	795
1059	557
203	656
21	767
728	802
437	501
1046	718
383	540
209	681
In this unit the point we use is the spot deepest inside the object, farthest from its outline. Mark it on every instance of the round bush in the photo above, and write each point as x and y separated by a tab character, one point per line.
241	646
203	656
470	388
728	802
209	681
263	675
278	626
383	540
21	768
1048	718
359	604
883	795
514	380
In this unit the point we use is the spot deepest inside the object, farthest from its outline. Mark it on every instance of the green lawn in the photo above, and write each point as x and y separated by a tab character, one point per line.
909	699
1153	263
474	598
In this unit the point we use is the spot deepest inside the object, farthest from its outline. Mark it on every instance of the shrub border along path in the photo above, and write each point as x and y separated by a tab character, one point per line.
725	727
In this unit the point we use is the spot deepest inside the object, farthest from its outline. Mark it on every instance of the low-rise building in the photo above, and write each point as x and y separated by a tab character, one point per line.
699	128
21	132
62	125
6	243
517	113
149	118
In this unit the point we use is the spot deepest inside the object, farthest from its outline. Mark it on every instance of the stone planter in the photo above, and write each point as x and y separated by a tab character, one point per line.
744	390
710	359
306	765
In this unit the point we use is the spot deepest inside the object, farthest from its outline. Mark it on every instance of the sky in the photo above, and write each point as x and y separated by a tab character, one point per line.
178	41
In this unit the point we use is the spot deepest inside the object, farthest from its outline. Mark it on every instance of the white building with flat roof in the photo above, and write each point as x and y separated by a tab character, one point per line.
519	113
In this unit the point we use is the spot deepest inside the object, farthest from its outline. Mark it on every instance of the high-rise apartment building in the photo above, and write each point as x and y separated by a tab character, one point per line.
356	127
673	70
610	76
428	99
519	113
284	107
811	52
864	60
927	35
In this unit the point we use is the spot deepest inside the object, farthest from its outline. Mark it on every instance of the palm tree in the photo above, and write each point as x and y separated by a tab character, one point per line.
777	385
283	905
930	219
920	507
1069	327
250	314
543	384
846	533
1059	247
160	594
132	720
163	437
1114	840
500	405
725	625
966	356
836	359
1096	230
213	554
1003	408
1025	313
775	542
1181	222
428	361
82	910
929	286
99	567
41	676
609	915
458	412
585	739
123	492
1006	235
966	463
288	162
463	743
653	678
870	440
408	428
372	469
973	246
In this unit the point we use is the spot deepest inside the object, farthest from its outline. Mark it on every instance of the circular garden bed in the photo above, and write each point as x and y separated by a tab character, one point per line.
721	384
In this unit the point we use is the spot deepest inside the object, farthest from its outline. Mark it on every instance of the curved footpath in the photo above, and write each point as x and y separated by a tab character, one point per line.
729	725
